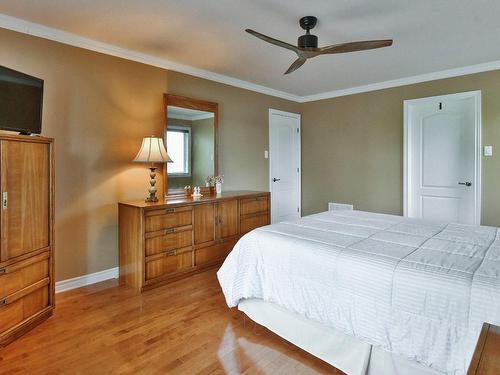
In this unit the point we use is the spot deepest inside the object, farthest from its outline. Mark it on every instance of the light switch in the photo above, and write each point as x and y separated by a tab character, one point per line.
266	154
488	150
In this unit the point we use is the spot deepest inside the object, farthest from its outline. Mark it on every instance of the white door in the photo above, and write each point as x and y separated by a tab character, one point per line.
284	165
442	143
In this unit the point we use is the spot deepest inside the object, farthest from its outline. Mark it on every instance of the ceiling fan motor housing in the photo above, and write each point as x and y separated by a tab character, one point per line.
308	41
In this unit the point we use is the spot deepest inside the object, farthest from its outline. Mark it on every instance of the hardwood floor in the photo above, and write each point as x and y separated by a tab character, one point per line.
181	328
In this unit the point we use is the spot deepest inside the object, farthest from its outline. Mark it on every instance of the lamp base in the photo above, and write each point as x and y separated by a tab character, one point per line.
151	199
152	189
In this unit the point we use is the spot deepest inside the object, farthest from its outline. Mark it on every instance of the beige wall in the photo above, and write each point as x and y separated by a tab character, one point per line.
98	108
352	146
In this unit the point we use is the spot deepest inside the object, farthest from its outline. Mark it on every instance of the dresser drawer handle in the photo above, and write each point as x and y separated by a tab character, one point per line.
3	270
3	302
170	210
171	253
170	230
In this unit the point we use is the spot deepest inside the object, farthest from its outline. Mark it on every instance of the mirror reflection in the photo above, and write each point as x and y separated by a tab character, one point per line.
189	138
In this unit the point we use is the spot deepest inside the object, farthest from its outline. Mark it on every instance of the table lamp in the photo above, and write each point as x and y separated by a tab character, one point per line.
152	151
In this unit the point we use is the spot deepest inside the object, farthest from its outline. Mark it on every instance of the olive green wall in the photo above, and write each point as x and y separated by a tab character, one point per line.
352	146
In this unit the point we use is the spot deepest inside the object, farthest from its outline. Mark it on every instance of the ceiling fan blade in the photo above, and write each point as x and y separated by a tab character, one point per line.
354	46
276	42
296	65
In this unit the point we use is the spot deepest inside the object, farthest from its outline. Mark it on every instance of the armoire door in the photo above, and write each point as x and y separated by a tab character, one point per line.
227	219
25	185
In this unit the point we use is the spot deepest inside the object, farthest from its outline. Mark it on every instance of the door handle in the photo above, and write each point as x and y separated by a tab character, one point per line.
465	183
276	179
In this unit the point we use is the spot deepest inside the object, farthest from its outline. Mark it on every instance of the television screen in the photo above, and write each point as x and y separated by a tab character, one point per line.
21	98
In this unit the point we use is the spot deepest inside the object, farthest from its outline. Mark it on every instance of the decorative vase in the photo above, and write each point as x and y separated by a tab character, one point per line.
218	188
207	184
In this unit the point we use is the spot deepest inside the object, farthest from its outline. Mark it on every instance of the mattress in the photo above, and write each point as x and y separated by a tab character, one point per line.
415	288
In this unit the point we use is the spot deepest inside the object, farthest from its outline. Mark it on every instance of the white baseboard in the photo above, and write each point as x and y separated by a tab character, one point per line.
91	278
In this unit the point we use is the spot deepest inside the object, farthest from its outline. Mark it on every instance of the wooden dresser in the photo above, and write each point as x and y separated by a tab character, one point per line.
26	226
164	241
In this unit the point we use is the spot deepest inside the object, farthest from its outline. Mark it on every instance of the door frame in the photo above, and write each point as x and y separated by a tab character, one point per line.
298	154
407	141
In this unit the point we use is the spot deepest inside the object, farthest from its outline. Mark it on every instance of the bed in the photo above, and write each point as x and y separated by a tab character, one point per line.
370	292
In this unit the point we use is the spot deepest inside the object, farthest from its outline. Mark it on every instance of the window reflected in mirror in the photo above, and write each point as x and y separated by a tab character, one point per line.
189	138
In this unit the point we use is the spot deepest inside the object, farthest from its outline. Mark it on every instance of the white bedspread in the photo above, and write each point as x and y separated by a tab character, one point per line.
416	288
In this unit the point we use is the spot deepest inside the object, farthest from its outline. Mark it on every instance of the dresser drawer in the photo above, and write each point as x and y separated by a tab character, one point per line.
249	222
213	254
173	238
21	305
169	262
168	218
254	205
17	276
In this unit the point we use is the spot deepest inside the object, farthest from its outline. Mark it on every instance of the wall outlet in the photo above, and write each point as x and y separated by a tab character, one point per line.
488	150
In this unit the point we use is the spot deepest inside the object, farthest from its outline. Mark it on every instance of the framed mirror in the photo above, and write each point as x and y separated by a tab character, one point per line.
190	137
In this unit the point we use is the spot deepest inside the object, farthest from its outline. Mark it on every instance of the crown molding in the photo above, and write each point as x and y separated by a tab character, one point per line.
41	31
449	73
181	116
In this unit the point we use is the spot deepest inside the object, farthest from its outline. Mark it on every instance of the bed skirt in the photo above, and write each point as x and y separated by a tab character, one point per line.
345	352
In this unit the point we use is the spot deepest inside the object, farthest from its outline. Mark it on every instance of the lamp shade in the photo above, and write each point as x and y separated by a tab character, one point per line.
152	151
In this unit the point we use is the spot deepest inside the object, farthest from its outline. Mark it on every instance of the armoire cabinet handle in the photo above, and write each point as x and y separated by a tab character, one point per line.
5	200
3	270
3	302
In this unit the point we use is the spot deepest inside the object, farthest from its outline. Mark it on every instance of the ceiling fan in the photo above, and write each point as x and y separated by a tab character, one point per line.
308	44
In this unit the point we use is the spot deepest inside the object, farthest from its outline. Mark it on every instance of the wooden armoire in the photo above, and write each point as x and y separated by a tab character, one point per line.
27	234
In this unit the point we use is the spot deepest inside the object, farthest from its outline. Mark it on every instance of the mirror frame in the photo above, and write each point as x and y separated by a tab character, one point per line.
189	103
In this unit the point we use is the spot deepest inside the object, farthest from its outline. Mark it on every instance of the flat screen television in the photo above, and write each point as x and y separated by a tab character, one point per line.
21	98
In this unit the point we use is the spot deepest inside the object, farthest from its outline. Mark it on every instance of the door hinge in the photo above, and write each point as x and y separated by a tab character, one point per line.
297	170
298	209
5	200
297	130
440	106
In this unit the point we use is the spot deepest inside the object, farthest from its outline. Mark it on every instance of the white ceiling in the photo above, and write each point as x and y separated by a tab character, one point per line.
429	35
